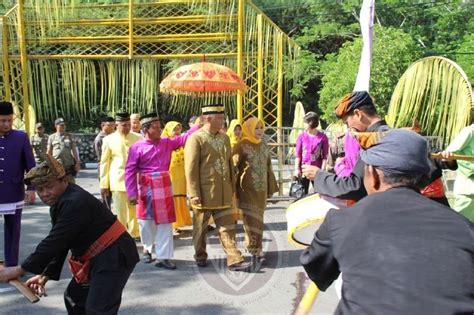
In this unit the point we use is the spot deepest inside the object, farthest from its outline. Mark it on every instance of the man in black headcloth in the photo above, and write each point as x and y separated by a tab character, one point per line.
103	253
357	110
399	252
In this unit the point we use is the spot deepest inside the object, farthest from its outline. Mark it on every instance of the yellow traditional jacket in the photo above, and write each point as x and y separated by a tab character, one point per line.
209	171
114	157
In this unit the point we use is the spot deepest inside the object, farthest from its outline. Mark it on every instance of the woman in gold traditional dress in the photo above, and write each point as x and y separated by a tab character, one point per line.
255	183
178	179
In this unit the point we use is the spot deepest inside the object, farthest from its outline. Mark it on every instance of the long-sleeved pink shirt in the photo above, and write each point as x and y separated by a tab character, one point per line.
147	156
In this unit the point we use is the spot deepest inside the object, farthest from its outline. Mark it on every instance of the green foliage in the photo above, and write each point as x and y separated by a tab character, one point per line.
465	55
393	52
322	27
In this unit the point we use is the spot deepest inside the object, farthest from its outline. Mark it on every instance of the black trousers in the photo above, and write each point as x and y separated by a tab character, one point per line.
305	181
109	273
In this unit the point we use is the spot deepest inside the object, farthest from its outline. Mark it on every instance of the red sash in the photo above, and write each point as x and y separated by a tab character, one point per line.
80	267
434	190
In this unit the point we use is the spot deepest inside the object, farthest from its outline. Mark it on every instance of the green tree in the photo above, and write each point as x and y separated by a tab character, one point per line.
465	56
393	52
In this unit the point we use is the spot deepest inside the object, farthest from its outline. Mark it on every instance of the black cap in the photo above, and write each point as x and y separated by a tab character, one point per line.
107	119
122	116
6	108
148	118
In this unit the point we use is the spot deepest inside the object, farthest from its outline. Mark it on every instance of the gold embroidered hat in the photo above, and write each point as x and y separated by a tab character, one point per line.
213	109
47	171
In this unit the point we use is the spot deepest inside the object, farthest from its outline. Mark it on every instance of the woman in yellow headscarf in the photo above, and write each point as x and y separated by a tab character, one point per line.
178	179
255	183
234	132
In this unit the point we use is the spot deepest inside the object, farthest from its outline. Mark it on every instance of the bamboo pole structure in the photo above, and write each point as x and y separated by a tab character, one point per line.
280	109
24	65
240	57
260	66
6	62
130	29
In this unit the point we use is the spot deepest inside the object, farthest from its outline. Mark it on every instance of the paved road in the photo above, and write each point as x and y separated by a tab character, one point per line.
274	289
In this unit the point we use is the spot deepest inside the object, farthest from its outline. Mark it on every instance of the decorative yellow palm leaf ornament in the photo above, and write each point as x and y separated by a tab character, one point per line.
436	92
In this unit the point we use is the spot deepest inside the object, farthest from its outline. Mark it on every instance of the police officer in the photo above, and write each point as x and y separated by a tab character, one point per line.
39	142
62	147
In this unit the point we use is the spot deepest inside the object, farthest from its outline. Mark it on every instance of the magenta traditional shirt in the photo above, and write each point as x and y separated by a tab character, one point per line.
147	156
344	166
312	149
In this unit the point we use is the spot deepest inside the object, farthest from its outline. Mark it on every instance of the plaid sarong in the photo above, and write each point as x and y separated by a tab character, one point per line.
155	198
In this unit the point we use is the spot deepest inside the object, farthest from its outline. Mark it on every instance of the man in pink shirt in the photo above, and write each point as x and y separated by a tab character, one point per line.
151	190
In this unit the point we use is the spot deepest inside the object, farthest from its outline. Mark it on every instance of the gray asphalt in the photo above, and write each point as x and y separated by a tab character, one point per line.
274	289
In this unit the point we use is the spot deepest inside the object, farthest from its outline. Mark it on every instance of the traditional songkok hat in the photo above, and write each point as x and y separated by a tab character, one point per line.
352	101
148	118
107	119
59	121
6	108
122	116
47	171
213	109
399	152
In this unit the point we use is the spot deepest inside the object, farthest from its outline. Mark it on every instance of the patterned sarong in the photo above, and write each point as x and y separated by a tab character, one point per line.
155	198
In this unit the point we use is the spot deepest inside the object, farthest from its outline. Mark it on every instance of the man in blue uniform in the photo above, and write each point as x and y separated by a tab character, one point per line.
16	157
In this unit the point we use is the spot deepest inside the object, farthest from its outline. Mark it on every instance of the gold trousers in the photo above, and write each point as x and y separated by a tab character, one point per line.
253	227
226	227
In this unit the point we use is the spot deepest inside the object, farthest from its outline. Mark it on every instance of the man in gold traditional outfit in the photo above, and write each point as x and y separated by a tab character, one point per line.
209	174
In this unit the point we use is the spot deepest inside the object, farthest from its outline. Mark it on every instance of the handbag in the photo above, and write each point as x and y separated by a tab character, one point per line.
296	188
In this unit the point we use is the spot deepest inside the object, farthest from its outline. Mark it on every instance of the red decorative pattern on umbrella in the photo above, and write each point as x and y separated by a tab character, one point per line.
202	78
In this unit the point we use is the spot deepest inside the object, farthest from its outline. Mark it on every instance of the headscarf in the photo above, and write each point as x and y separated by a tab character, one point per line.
169	127
248	130
230	132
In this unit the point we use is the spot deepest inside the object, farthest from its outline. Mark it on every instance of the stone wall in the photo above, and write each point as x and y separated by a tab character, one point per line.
85	144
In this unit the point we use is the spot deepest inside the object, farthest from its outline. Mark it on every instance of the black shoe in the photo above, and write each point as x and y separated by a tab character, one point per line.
259	259
210	228
137	239
165	264
147	259
241	266
201	263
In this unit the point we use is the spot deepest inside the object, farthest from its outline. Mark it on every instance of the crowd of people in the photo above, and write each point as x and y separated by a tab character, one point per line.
152	179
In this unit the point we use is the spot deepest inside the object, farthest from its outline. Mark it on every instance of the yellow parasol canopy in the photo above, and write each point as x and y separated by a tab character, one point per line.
202	78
